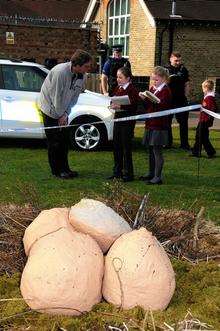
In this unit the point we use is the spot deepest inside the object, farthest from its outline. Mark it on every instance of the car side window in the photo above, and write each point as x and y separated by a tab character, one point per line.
22	78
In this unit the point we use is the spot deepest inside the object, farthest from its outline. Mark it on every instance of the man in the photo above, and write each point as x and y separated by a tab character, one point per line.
110	68
179	85
59	93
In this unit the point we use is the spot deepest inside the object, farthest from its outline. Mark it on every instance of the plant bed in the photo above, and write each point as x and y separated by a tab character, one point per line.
191	242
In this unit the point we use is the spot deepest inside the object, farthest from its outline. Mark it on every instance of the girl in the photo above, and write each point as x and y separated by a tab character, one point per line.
156	135
124	131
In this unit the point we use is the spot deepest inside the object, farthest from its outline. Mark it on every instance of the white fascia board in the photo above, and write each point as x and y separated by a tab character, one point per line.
148	13
89	10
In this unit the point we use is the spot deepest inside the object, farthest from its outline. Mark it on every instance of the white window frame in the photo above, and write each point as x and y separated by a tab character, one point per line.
120	36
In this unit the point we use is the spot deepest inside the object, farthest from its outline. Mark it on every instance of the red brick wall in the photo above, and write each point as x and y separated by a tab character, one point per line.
46	42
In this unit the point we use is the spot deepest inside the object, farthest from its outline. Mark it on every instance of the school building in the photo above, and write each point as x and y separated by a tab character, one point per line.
151	29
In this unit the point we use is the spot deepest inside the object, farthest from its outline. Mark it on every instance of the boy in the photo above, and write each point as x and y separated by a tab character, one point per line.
205	121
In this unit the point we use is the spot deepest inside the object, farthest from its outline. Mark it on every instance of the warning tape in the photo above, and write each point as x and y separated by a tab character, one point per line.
211	113
141	117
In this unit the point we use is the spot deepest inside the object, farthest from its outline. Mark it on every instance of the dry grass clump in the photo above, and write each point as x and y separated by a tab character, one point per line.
182	232
189	323
13	222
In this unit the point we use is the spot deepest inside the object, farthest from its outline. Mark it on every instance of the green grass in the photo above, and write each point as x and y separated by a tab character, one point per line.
196	290
25	176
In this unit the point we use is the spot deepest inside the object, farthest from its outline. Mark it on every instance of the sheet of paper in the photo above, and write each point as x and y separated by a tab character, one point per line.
121	100
99	95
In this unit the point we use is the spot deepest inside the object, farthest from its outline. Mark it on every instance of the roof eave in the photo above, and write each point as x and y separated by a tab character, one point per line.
147	12
90	10
185	20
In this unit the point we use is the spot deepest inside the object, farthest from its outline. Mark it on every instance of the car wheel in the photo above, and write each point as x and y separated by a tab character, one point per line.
87	135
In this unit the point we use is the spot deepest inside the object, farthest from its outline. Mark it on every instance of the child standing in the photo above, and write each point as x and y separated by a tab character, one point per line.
156	134
124	131
205	121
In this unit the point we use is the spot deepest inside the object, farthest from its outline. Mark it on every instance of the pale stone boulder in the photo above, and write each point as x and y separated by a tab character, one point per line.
99	221
138	272
46	222
63	274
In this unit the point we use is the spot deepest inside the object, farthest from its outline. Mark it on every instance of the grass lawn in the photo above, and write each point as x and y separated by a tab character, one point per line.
25	176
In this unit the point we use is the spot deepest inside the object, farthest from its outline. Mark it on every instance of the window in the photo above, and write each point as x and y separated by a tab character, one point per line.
119	24
22	78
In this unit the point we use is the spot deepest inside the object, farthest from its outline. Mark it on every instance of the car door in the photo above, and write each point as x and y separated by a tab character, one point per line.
19	90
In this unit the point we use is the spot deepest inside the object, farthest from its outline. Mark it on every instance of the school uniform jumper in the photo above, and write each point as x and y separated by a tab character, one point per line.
202	130
123	133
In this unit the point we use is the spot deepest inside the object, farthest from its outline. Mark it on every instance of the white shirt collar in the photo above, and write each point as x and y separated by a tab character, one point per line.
125	85
212	94
159	88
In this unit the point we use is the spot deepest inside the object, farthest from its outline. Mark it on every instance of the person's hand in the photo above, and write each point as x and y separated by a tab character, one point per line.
63	120
142	96
115	106
106	94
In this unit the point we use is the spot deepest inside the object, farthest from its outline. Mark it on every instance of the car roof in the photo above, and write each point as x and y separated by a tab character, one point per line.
19	62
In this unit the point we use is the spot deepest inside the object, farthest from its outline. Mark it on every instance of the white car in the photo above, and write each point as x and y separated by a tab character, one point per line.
20	84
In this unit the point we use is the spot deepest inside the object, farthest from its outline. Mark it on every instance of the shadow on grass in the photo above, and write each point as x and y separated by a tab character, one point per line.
23	143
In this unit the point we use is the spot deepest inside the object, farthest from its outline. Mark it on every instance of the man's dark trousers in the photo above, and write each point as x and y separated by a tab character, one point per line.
182	119
122	149
58	146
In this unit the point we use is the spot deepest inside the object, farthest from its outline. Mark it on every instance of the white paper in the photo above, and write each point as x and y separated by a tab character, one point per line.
121	100
99	95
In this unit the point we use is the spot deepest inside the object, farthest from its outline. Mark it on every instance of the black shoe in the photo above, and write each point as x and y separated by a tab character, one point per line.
64	175
159	182
72	174
147	177
114	177
211	156
127	178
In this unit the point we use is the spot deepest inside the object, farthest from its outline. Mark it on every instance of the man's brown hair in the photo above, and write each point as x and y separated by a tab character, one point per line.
176	54
80	57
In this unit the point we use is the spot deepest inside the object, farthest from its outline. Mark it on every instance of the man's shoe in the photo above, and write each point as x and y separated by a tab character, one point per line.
159	182
64	175
127	178
147	177
155	181
72	174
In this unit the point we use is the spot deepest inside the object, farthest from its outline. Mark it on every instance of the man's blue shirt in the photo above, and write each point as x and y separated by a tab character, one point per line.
106	68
